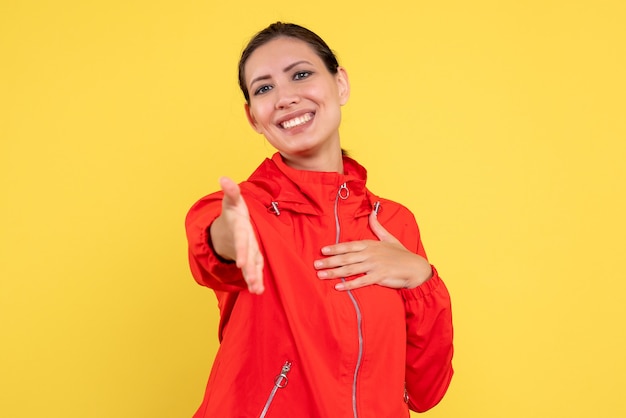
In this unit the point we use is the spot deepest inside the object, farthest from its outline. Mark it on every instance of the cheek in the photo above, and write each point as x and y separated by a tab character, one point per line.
332	102
261	113
329	95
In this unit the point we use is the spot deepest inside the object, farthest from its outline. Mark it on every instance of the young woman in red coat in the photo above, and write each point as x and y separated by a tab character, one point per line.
329	307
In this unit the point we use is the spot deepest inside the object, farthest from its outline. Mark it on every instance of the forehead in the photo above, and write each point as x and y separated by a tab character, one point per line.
277	54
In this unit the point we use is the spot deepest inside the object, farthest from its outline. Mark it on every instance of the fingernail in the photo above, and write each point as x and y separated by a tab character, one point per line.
322	274
325	250
340	286
318	264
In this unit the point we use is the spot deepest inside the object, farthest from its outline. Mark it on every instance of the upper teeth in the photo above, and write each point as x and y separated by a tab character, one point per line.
297	121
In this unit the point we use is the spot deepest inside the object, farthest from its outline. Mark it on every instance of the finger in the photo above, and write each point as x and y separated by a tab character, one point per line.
231	190
362	281
254	279
257	262
343	259
253	272
344	248
371	279
379	230
254	282
242	243
259	271
344	271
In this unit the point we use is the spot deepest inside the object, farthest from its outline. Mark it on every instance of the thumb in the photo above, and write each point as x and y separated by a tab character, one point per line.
379	230
230	189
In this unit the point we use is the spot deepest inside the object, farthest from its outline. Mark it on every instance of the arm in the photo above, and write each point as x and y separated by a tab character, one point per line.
429	343
386	262
233	236
219	231
389	263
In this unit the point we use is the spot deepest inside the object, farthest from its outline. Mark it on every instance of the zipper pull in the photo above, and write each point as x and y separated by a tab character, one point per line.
343	192
274	208
282	379
376	208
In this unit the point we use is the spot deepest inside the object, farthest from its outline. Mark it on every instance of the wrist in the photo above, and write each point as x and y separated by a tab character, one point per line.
423	273
218	242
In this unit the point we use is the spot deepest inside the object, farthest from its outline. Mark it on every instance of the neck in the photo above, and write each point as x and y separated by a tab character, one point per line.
325	162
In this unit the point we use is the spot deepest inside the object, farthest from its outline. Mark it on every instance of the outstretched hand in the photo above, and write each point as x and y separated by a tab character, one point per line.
385	262
233	236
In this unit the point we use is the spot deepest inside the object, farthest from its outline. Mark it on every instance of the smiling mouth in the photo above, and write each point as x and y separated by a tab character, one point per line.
297	121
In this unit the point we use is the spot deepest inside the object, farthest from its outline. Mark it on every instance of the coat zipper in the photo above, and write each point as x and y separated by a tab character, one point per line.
279	382
343	193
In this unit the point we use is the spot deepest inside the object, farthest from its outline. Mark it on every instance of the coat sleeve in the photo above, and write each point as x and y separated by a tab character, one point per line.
429	343
207	268
429	347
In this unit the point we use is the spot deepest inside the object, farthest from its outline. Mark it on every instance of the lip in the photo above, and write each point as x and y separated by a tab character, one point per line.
293	115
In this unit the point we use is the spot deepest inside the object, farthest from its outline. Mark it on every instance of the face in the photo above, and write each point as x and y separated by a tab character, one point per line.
295	102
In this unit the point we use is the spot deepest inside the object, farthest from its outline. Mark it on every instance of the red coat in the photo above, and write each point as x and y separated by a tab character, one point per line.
303	349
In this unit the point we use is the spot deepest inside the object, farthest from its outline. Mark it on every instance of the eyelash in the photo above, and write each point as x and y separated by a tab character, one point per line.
300	75
263	89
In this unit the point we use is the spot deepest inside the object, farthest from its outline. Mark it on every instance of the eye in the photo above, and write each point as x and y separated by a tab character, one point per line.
301	75
263	89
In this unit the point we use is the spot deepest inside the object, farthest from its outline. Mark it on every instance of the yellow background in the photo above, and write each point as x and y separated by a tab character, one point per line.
499	123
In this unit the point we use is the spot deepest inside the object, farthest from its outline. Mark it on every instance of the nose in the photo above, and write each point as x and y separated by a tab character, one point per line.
287	96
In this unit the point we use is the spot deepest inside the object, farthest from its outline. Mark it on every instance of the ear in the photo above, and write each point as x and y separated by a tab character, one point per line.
251	118
343	84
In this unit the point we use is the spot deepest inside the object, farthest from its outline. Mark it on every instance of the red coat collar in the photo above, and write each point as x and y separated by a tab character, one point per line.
311	192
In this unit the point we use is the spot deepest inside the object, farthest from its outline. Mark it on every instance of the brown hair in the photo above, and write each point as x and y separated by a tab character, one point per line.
290	30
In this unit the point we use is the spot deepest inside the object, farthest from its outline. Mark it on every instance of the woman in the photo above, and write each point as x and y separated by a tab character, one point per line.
328	305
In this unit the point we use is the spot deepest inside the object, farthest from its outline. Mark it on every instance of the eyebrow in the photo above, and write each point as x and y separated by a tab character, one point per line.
286	69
